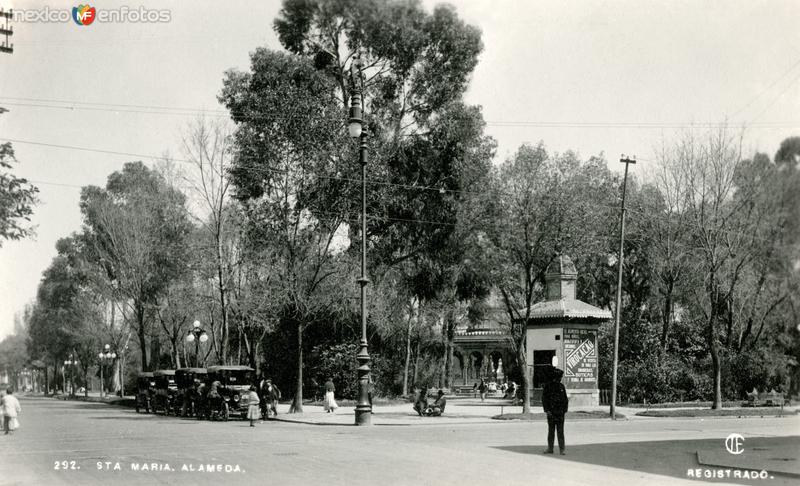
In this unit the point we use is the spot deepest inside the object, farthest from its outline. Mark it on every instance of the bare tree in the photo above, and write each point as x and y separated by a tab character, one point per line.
207	145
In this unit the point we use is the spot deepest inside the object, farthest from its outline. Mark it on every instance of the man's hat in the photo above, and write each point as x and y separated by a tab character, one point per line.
441	392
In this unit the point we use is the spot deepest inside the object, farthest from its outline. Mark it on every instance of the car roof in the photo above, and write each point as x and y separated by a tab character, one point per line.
145	374
192	370
163	372
212	369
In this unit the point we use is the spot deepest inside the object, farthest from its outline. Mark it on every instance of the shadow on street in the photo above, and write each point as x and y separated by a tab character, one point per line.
675	457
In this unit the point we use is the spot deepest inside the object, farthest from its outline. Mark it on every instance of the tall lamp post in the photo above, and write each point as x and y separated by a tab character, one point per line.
197	335
105	354
357	131
627	162
70	362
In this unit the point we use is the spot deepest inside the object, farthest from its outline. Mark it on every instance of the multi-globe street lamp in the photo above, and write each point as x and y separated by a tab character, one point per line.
70	362
197	335
357	131
105	354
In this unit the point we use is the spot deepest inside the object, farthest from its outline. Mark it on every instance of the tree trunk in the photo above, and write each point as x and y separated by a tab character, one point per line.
177	354
443	369
526	379
420	325
408	352
717	371
416	363
450	324
667	317
222	301
46	382
155	353
239	341
297	407
141	335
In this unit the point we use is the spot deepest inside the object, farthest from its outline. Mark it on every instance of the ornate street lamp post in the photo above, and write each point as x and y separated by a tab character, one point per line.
105	354
197	335
70	362
357	131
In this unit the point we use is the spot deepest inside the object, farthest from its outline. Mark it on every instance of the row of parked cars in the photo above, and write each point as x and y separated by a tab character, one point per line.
214	393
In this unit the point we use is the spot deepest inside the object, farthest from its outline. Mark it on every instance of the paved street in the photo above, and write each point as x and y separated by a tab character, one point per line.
95	438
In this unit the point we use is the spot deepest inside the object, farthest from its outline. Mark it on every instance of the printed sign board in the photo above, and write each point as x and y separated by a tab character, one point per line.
580	358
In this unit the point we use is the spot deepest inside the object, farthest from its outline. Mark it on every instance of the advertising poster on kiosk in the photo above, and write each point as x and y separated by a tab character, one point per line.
580	358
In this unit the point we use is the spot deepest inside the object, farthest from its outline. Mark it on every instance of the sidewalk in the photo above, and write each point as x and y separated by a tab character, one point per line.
459	411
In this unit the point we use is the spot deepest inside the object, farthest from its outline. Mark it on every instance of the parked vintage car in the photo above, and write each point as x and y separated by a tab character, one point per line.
188	381
145	391
233	385
166	392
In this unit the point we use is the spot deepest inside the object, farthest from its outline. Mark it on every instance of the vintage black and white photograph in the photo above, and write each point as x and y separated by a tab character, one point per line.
399	242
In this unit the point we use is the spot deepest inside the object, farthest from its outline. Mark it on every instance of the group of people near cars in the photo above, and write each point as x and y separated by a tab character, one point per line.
264	406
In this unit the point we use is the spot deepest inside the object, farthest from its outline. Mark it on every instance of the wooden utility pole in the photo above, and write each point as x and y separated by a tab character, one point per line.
618	311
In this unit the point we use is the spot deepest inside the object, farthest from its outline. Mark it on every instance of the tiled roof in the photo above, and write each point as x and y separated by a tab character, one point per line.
567	308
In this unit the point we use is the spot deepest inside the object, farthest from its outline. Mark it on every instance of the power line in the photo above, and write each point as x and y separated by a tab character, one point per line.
70	105
769	105
343	179
765	90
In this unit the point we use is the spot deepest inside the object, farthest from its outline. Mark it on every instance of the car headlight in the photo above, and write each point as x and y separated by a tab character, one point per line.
236	398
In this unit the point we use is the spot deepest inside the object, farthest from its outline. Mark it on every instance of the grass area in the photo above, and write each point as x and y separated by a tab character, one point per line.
593	414
723	412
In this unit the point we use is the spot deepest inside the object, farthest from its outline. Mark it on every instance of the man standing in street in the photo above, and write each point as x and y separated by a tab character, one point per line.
10	408
555	404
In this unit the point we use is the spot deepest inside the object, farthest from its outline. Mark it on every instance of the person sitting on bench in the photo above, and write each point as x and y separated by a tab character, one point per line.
438	406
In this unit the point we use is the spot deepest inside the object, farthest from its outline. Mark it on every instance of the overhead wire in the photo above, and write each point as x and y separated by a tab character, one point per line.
765	90
72	105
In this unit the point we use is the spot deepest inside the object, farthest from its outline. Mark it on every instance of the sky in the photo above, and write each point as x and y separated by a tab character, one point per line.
611	77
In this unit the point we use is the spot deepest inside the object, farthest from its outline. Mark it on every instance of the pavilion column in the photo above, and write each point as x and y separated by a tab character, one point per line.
471	366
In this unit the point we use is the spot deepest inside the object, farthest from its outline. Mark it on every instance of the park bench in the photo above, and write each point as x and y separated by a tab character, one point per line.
465	390
766	399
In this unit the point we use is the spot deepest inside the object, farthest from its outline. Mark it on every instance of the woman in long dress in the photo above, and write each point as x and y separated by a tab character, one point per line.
330	403
253	410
